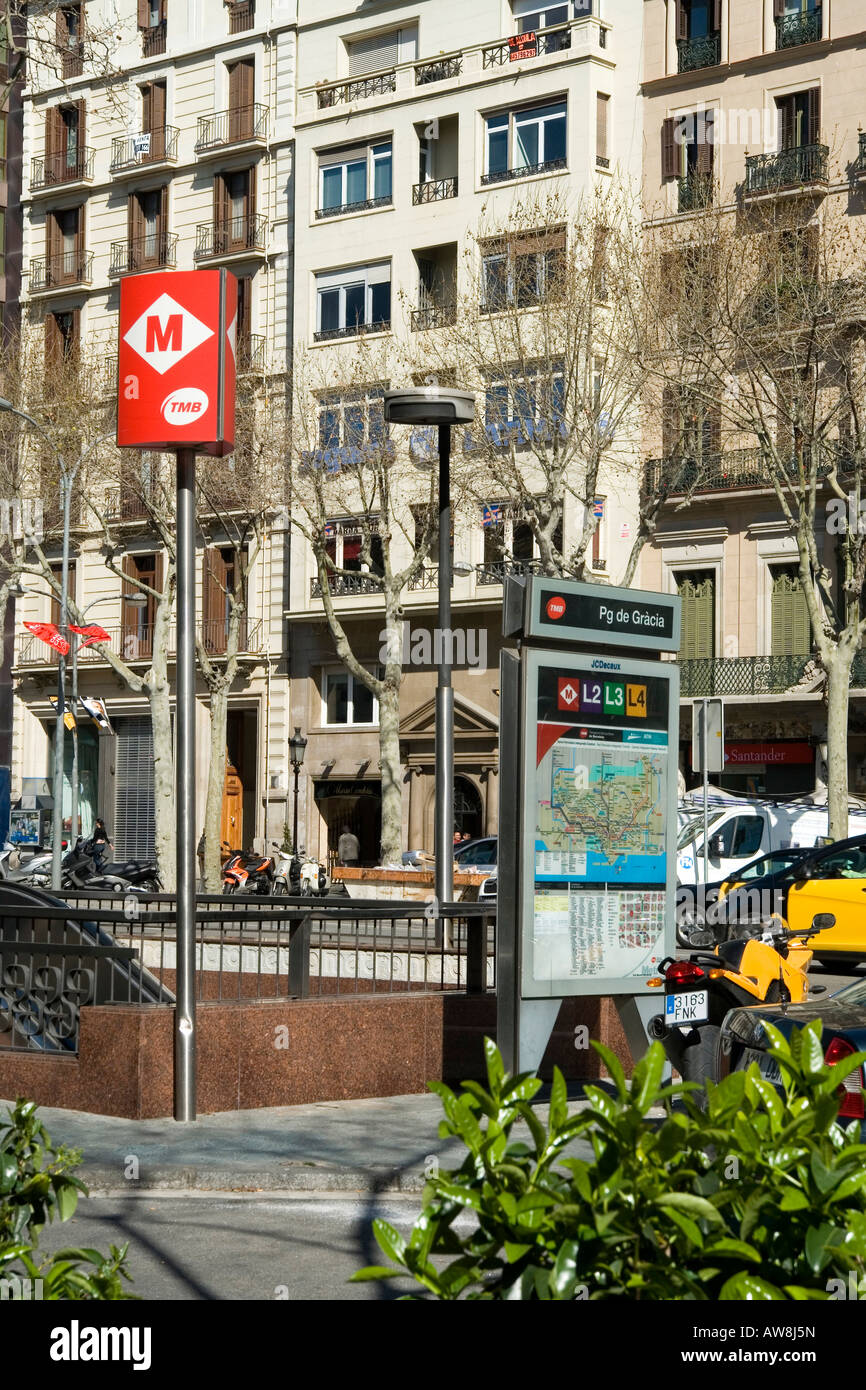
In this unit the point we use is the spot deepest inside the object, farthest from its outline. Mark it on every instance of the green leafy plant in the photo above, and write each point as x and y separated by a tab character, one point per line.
36	1186
752	1195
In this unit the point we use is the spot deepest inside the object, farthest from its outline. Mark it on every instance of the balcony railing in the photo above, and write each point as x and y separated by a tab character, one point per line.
496	571
794	29
236	126
352	330
799	167
153	40
343	585
357	90
136	643
434	316
427	579
434	191
676	475
125	506
699	53
56	272
147	147
242	15
524	171
695	192
251	353
438	70
144	253
546	41
366	205
230	238
72	61
67	166
859	166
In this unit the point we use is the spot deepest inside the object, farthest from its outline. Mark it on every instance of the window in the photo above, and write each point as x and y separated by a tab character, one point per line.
740	837
147	229
602	108
138	622
153	109
381	51
351	420
151	23
791	633
509	544
242	15
526	141
522	270
349	302
688	143
65	246
222	574
355	178
531	15
56	568
696	588
62	334
346	700
842	863
64	143
69	39
242	90
691	426
598	510
234	210
523	406
799	119
797	21
343	545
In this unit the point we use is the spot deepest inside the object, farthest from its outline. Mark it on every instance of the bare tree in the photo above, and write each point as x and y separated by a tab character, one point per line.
47	43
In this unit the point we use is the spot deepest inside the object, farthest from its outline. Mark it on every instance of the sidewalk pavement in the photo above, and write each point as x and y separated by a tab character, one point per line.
383	1145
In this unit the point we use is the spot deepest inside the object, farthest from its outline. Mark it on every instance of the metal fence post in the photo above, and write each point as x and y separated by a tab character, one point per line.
300	934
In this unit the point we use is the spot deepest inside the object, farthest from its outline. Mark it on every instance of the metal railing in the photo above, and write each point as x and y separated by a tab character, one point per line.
859	166
120	505
546	41
438	70
357	90
674	475
791	168
794	29
72	61
131	151
341	585
434	316
67	268
143	253
496	571
756	675
136	643
698	53
695	192
365	205
548	166
251	353
352	330
228	238
434	191
233	127
153	39
67	166
427	579
242	15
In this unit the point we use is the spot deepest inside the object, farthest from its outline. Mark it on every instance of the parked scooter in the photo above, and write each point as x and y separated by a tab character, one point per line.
768	969
314	879
287	871
248	872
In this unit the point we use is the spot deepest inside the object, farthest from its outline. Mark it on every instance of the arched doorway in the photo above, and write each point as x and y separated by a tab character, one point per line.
468	816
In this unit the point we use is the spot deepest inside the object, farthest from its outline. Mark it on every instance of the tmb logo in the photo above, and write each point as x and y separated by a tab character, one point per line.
568	695
555	607
184	406
165	333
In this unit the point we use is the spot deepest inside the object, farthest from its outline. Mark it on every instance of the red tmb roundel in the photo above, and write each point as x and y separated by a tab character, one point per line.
555	607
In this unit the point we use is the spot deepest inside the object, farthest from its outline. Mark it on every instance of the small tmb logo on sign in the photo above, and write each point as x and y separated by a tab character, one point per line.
555	607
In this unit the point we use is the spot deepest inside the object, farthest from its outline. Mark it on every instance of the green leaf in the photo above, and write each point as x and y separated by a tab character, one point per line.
558	1101
728	1246
389	1240
646	1078
825	1178
694	1205
495	1069
793	1199
612	1062
749	1288
563	1276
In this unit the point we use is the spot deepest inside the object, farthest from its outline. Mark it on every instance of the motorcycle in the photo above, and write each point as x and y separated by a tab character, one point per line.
314	879
286	870
248	873
770	968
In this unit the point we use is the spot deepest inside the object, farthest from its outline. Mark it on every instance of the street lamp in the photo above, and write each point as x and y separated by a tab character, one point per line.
297	748
435	405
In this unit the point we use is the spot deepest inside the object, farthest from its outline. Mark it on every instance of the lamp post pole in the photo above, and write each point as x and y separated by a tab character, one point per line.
297	747
444	836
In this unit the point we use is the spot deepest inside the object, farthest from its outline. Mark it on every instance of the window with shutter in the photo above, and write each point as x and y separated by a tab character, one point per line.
133	823
242	86
381	51
602	106
789	623
671	157
696	588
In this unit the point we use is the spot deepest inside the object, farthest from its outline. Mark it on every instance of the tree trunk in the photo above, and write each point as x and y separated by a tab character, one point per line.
392	772
838	693
164	802
215	787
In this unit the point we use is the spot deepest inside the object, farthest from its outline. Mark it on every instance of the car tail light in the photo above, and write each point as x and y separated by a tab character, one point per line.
682	970
850	1093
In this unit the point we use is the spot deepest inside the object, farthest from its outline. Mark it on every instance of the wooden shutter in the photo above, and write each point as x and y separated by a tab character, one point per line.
717	16
143	14
682	21
162	226
813	116
697	592
53	236
705	143
147	105
214	600
787	123
791	634
158	105
713	429
53	132
128	614
779	8
670	150
601	104
81	109
61	29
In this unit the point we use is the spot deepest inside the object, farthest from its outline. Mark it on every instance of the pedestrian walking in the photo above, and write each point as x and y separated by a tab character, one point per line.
348	848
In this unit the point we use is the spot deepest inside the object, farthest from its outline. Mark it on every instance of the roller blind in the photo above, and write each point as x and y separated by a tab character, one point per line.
133	829
382	51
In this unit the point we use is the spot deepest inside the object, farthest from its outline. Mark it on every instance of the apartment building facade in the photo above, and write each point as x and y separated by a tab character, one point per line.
414	121
175	153
777	84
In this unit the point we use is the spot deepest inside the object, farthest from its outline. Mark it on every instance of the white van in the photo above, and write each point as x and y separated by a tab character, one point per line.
740	831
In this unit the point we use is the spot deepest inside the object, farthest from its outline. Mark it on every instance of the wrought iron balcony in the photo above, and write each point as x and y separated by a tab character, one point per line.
235	237
496	571
352	330
147	147
58	272
804	167
695	192
144	253
72	61
438	70
121	505
67	166
794	29
153	40
546	41
698	53
365	205
434	316
358	90
433	191
239	125
343	585
251	353
134	642
427	579
505	175
858	168
744	675
242	15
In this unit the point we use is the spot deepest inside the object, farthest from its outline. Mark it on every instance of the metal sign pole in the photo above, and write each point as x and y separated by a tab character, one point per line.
705	764
184	1014
444	836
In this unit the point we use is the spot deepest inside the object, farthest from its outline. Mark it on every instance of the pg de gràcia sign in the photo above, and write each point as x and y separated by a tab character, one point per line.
177	361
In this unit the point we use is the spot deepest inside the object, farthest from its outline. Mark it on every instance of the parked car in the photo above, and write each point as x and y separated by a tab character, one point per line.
742	831
700	909
743	1039
476	854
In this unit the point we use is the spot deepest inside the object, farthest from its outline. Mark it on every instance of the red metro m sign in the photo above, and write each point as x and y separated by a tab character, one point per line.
176	361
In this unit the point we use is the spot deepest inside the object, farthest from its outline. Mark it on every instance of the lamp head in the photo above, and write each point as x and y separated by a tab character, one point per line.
429	405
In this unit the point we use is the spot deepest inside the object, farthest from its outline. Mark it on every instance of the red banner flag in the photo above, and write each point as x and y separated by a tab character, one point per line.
47	632
93	633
